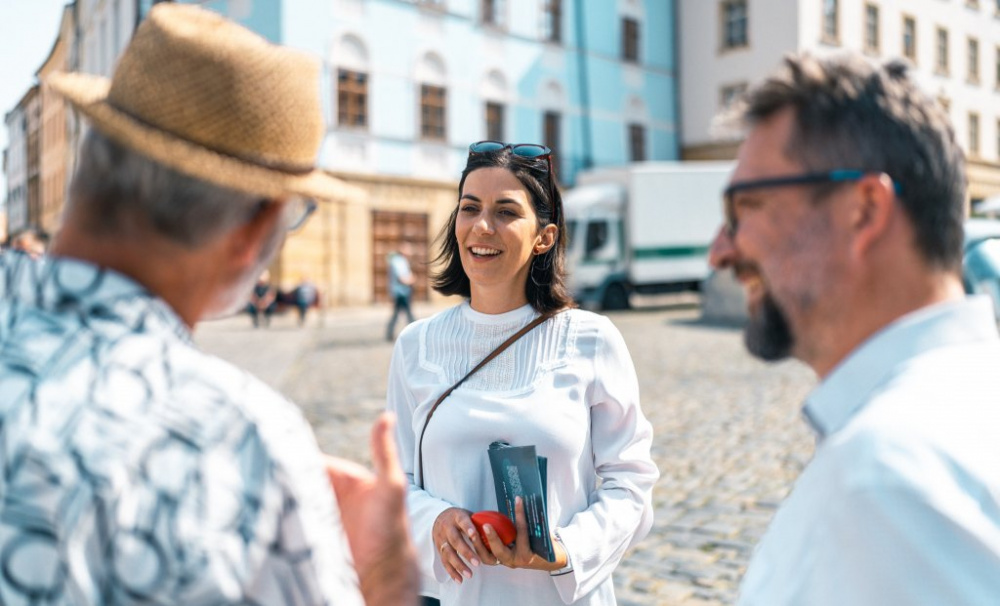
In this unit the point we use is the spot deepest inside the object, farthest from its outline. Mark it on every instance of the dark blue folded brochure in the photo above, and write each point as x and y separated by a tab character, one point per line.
518	471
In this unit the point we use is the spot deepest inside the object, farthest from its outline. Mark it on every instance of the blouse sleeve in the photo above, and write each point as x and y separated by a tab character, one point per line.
620	511
423	508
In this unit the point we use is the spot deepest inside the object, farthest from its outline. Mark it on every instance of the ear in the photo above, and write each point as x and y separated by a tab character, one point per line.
546	239
873	212
246	240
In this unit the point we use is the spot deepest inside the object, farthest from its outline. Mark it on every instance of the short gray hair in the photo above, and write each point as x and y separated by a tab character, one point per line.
114	186
850	114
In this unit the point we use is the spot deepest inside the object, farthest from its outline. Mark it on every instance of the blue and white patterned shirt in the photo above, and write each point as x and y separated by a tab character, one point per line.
135	468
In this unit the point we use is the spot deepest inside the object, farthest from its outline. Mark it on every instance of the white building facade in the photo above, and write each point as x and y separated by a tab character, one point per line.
954	46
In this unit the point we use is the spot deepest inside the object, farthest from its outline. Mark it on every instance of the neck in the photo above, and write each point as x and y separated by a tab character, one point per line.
496	300
877	304
182	277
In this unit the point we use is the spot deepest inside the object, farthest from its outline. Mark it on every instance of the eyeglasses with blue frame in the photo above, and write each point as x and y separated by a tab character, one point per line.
840	175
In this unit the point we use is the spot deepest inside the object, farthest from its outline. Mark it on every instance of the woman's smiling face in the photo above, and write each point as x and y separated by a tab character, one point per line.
498	236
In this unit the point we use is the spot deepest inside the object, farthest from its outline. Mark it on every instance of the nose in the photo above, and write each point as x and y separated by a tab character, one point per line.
483	224
722	253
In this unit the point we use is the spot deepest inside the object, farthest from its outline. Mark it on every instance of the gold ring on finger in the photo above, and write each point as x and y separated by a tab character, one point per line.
443	545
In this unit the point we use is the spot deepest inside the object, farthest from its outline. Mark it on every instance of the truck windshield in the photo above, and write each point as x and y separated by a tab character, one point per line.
570	230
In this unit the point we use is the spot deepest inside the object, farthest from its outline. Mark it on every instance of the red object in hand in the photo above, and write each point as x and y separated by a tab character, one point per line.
500	523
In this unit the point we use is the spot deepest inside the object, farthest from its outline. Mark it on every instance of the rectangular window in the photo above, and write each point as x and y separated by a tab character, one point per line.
871	28
551	123
831	21
637	142
630	40
734	24
910	38
941	51
492	12
494	121
352	98
997	67
973	133
973	60
729	95
433	103
552	21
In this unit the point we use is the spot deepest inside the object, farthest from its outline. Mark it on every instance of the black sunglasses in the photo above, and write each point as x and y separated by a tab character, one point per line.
525	150
840	175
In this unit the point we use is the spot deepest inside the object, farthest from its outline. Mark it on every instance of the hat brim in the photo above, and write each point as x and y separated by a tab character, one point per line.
89	94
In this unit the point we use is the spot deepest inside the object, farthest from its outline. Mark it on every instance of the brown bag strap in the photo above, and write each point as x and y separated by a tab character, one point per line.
493	354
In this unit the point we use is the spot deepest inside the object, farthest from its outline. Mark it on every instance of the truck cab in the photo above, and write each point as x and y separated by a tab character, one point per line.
642	228
595	247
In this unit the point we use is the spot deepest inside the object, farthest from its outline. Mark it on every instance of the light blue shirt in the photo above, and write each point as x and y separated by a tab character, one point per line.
399	270
135	469
901	502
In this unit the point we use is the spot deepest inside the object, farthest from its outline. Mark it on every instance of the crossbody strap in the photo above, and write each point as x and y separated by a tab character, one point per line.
493	354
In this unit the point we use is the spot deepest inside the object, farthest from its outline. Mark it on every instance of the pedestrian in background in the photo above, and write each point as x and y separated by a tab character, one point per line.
135	468
263	300
844	225
401	282
305	295
557	378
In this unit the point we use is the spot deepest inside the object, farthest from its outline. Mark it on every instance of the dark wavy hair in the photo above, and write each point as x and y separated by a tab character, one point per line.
545	287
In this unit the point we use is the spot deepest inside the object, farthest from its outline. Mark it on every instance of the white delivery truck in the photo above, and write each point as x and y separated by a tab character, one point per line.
642	228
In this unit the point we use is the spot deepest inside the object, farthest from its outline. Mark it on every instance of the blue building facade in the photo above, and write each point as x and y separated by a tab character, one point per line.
410	83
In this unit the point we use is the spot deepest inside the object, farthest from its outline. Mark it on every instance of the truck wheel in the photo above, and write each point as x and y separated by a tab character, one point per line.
615	297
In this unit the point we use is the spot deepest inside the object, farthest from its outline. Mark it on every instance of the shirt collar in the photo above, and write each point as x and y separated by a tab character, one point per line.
62	284
847	389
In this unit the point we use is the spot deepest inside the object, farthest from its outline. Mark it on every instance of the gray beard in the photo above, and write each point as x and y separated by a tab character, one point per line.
767	335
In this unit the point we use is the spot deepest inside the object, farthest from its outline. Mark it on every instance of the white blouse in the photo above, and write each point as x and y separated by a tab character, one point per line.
569	388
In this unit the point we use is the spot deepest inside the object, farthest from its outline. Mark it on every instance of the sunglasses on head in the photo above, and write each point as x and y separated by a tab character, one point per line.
524	150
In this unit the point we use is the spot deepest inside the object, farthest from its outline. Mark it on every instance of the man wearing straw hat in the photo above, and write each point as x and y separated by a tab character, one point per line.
134	468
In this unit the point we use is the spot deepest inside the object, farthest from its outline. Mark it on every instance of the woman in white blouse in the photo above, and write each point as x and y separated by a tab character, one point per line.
568	387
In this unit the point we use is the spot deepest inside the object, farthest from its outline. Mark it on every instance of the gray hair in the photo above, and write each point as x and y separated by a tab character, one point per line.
850	114
115	187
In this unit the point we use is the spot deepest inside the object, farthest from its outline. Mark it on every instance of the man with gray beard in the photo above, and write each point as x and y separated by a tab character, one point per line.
133	467
844	226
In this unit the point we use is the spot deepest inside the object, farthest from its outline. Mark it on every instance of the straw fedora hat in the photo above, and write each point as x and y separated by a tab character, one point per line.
210	99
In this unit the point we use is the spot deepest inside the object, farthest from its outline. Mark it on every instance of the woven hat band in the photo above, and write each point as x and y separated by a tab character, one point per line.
224	88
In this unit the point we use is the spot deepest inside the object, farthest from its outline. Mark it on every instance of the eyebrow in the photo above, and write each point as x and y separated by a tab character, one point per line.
500	201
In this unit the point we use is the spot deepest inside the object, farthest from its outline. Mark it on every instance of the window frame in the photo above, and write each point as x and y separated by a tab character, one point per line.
630	40
972	60
942	60
725	42
909	19
975	142
872	47
433	100
825	19
348	98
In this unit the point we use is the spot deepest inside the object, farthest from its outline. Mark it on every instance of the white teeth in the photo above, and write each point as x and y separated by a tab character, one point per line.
484	251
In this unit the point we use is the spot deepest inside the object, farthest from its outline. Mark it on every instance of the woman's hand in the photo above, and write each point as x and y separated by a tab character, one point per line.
458	543
520	555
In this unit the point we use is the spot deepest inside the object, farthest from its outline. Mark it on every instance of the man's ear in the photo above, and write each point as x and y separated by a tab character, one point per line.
873	212
546	239
246	240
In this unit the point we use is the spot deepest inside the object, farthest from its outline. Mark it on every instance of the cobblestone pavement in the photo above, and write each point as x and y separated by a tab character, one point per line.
729	439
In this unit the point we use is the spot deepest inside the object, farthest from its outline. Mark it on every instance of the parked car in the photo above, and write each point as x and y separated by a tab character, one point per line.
981	260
